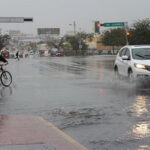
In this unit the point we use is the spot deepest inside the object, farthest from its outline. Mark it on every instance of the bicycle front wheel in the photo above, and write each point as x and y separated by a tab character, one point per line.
6	78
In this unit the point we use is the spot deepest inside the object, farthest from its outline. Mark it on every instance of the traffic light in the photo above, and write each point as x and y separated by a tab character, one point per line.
97	27
128	37
128	34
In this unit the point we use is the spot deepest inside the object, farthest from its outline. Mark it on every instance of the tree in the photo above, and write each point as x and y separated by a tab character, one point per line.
67	46
58	43
4	40
73	40
114	37
140	32
77	40
90	37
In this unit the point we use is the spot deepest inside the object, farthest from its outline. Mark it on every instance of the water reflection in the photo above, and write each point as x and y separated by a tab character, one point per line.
100	92
80	65
5	91
142	130
140	106
143	147
3	118
74	69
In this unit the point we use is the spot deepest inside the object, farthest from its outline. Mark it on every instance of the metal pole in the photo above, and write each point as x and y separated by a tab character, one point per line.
127	30
74	25
127	41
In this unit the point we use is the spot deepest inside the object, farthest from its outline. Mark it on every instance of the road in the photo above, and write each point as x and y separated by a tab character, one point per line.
81	97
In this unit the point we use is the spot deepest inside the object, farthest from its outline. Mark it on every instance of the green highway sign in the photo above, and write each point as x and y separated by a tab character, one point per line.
114	24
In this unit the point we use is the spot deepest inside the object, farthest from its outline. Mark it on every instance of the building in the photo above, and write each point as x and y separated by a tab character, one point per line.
96	44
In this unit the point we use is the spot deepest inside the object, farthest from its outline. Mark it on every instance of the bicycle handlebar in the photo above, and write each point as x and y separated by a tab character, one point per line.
3	63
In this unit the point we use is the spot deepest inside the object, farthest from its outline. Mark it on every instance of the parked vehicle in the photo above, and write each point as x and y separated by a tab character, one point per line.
106	52
54	51
58	54
11	55
97	52
133	62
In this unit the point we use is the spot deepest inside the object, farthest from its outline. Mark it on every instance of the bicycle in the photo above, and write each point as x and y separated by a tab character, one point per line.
5	77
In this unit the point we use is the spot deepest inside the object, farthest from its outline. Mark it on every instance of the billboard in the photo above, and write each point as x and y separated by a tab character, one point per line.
48	31
14	32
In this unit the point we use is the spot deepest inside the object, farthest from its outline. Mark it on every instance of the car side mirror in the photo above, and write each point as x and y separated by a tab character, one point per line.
125	57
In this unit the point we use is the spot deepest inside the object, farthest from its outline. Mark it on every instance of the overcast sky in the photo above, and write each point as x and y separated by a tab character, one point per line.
61	13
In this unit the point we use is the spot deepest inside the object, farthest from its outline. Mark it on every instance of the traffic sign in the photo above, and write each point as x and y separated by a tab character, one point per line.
114	24
15	19
28	19
80	46
48	31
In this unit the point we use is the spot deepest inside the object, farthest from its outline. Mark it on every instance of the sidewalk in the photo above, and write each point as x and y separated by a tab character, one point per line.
27	147
27	132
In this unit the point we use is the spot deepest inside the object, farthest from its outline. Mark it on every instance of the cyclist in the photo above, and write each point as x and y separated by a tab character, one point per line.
5	76
2	59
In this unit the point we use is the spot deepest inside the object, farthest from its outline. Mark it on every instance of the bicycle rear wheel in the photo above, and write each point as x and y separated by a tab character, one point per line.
6	78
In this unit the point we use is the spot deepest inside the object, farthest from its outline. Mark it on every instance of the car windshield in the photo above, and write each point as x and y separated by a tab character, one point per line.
141	53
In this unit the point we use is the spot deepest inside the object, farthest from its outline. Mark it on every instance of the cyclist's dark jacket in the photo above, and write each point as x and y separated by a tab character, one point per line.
3	59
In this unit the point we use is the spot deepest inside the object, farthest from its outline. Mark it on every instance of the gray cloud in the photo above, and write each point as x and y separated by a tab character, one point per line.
60	13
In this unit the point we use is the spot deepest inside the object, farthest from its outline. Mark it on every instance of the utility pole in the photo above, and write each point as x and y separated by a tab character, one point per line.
74	27
127	33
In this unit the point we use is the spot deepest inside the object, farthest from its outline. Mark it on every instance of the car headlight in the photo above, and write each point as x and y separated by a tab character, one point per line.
140	66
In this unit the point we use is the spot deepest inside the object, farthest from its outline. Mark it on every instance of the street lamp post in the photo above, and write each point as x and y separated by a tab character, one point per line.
127	33
74	27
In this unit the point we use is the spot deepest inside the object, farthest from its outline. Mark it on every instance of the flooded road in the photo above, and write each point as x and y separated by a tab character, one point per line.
81	97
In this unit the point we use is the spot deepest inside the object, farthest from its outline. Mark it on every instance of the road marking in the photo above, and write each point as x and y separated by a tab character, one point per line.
67	137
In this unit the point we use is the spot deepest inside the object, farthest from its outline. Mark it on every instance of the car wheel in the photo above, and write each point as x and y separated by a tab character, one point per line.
130	76
117	76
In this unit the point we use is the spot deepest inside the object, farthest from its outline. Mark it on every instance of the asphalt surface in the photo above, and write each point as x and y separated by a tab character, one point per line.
81	97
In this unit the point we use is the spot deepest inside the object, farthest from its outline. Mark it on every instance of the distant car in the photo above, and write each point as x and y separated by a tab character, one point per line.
97	52
133	62
54	51
106	52
11	55
58	54
31	53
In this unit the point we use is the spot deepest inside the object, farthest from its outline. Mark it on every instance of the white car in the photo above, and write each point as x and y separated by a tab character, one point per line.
133	61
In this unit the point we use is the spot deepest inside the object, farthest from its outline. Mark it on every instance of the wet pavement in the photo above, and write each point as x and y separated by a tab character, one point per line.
81	97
